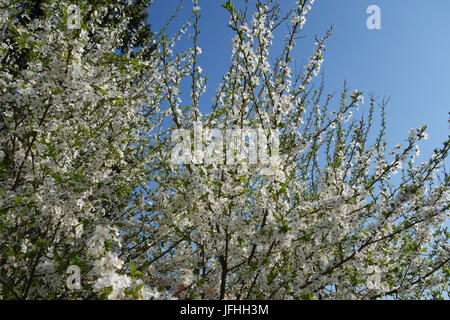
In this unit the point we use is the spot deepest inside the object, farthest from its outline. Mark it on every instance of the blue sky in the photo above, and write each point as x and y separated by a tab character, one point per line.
407	59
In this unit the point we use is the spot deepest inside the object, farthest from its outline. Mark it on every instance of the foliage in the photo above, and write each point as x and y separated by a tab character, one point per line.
86	177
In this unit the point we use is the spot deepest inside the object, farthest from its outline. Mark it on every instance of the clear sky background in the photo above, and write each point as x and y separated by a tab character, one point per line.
407	60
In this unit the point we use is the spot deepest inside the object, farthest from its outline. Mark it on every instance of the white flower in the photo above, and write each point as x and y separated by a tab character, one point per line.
417	150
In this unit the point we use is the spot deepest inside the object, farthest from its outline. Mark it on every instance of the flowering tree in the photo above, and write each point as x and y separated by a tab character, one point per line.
76	119
88	178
